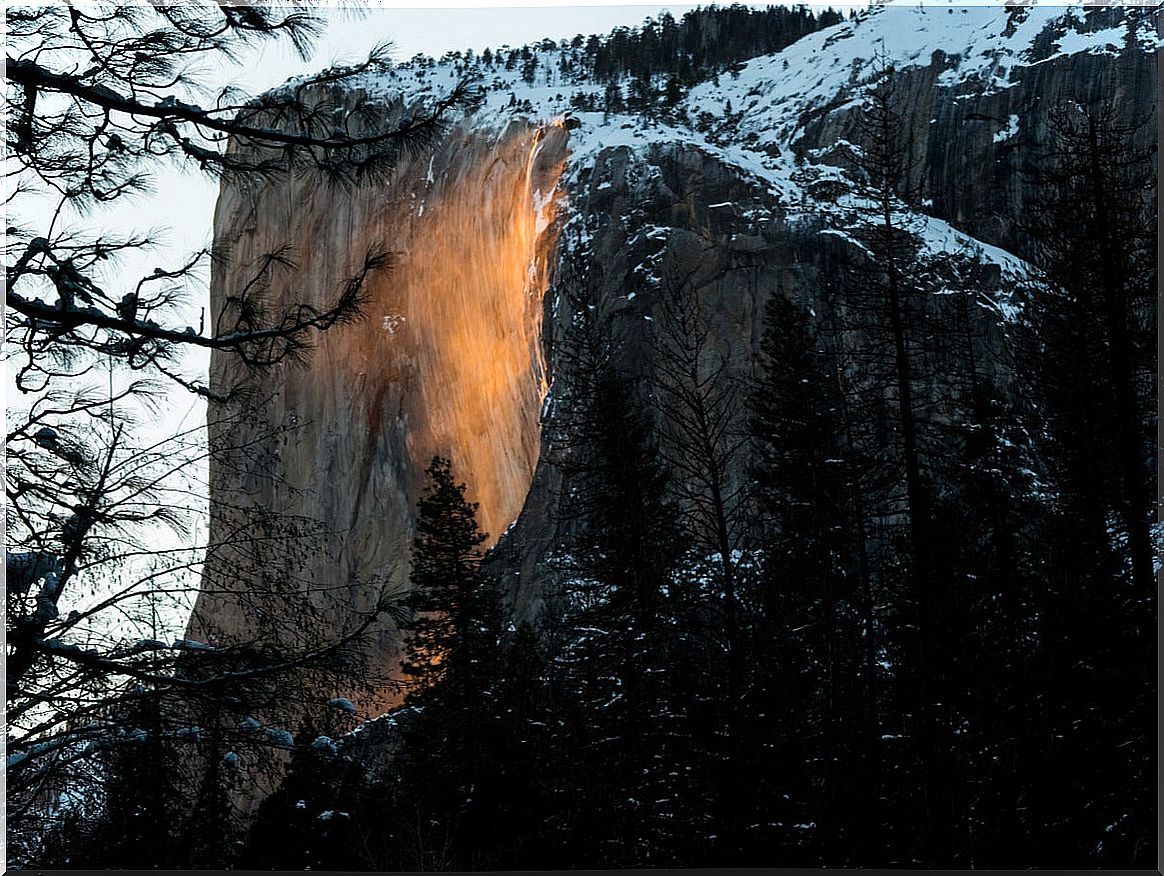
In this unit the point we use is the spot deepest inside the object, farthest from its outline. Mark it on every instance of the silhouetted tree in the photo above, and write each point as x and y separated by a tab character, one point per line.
451	653
139	825
887	304
445	599
1093	373
703	442
611	670
293	826
98	101
805	664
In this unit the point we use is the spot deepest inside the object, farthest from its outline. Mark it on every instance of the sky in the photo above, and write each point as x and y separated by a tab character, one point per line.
475	25
436	31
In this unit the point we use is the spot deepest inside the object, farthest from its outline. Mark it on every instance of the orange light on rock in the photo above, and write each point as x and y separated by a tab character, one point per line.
461	317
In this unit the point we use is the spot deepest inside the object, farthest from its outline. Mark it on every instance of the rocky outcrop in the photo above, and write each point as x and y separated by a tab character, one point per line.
973	148
646	212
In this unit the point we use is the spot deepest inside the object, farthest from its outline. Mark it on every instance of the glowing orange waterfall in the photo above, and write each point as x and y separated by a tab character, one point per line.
460	318
448	361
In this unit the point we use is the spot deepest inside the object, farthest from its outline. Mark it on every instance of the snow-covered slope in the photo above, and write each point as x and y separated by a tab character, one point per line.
982	49
765	119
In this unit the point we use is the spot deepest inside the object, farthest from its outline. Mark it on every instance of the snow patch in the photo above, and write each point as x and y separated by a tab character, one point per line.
279	737
1009	132
325	743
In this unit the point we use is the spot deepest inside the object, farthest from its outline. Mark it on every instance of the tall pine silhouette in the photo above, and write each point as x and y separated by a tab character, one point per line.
451	654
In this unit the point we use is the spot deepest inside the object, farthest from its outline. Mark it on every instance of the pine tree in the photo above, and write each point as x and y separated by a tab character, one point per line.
804	665
611	675
452	653
985	533
210	831
520	757
1094	233
139	827
703	439
1093	374
290	831
445	561
886	304
619	568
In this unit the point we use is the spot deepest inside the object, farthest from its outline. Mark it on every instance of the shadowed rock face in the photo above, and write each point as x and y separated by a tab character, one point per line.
447	361
968	159
671	210
662	205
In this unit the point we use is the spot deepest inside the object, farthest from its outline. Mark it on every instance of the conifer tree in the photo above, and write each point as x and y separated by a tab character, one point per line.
985	531
288	832
1094	233
451	653
804	664
520	756
139	827
615	606
703	442
611	658
211	828
886	304
1094	376
445	560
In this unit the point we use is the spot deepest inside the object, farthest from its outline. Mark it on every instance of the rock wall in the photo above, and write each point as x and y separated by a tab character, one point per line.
447	361
677	206
972	146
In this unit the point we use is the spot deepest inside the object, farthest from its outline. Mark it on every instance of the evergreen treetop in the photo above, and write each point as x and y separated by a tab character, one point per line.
445	558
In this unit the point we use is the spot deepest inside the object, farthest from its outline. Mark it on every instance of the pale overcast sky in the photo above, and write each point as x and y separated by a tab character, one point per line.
351	34
478	25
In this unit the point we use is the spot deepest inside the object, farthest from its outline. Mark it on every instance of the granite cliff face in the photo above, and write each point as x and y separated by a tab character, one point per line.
974	138
744	191
447	361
